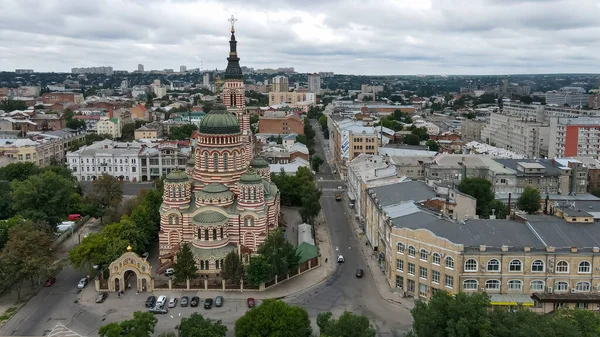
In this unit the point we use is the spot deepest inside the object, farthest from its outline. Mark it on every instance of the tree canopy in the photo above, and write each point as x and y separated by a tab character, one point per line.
301	190
107	193
274	318
198	326
183	132
480	189
347	325
529	201
185	267
141	325
233	269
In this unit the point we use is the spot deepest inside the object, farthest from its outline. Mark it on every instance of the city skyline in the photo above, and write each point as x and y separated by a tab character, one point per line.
375	38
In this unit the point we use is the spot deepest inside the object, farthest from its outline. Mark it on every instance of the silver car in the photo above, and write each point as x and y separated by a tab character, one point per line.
82	283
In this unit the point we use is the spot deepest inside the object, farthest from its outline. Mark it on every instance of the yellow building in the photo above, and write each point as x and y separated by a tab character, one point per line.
292	98
540	262
149	131
109	126
44	150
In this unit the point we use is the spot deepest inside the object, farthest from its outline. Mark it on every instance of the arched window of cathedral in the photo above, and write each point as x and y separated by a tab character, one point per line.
206	234
214	233
170	220
199	234
216	161
206	160
206	265
246	222
178	192
232	99
176	218
254	193
221	230
235	160
201	264
225	161
251	221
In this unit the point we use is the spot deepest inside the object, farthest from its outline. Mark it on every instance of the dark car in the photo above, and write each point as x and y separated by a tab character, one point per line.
360	273
184	301
50	282
219	301
101	297
194	302
208	303
251	302
150	301
158	310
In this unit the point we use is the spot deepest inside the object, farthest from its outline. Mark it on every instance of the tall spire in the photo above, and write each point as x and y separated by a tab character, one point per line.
233	71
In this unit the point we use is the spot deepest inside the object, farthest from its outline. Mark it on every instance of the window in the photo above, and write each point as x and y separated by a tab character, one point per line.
399	282
411	251
449	262
214	234
424	254
582	306
493	265
216	161
536	286
584	267
225	161
399	265
515	265
470	285
435	276
471	265
411	268
436	258
561	286
206	235
199	234
423	273
202	265
206	265
562	267
400	247
221	230
217	264
206	160
515	285
582	286
449	281
422	289
235	160
492	285
537	266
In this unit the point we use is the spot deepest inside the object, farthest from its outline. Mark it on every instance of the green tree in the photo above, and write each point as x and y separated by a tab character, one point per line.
316	162
480	189
5	227
185	267
26	254
500	209
141	325
147	213
274	318
107	192
42	197
433	145
233	269
529	201
258	270
198	326
419	132
281	255
323	121
471	115
347	325
6	210
452	315
412	139
97	249
183	132
9	105
19	171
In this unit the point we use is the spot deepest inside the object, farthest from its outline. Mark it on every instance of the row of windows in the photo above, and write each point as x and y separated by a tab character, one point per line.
536	285
215	161
104	161
205	265
103	169
448	281
493	265
214	234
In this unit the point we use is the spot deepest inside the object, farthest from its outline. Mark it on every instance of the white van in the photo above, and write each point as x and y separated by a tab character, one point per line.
65	226
160	301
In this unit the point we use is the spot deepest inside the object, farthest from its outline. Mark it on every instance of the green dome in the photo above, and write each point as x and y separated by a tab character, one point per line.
215	191
219	121
259	162
177	176
209	217
251	177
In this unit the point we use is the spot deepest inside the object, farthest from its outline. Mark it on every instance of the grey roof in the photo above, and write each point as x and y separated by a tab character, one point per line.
400	192
473	233
558	233
213	253
546	163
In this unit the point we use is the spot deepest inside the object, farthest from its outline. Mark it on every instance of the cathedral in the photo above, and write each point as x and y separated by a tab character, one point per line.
225	200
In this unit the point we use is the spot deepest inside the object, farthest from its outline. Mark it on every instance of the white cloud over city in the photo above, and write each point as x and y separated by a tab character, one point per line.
351	37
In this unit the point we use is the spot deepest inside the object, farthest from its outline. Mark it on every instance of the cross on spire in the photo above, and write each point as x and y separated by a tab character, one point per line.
232	20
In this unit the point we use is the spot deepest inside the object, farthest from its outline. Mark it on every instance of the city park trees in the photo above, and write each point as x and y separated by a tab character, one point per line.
277	257
481	189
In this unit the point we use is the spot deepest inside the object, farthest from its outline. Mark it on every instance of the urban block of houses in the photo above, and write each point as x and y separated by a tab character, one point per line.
149	131
40	148
279	122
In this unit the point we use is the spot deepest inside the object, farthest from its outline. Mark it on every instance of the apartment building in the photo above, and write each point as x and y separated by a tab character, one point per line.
575	137
282	125
62	98
314	83
109	126
471	129
149	131
41	149
570	98
292	98
280	84
159	159
119	159
523	135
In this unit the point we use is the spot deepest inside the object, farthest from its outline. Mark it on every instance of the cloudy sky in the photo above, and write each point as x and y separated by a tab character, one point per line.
346	36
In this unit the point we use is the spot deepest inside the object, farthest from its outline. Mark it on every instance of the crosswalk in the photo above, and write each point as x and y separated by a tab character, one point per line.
60	330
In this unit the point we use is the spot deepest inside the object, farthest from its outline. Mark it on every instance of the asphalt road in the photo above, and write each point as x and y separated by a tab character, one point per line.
343	291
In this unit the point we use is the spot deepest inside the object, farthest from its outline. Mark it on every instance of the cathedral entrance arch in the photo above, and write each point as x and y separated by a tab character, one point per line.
130	270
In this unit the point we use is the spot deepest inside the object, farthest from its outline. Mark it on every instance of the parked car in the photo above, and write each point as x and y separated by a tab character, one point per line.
251	302
219	301
50	281
158	310
170	272
194	302
150	301
101	297
338	197
172	302
360	273
184	301
160	301
208	303
340	259
82	283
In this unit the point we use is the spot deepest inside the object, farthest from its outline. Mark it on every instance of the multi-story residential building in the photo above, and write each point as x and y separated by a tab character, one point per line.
575	137
149	131
160	159
293	98
593	170
49	121
411	166
41	149
280	84
281	125
109	126
140	112
118	159
370	89
314	83
522	135
539	262
93	70
545	175
594	101
471	129
568	97
62	97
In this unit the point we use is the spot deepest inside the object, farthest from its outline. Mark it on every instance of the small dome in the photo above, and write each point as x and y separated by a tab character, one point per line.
215	188
219	121
215	191
177	176
209	217
259	162
251	177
